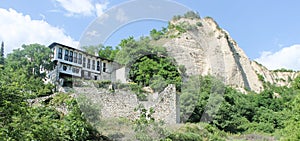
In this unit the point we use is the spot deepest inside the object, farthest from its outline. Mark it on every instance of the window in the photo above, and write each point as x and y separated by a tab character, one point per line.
98	65
83	62
65	68
71	56
52	53
104	67
60	53
89	64
75	57
79	58
66	55
93	64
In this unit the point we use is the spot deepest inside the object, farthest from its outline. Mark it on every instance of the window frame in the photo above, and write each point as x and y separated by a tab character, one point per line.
89	63
79	58
66	55
75	57
93	65
98	66
84	62
60	52
104	69
71	56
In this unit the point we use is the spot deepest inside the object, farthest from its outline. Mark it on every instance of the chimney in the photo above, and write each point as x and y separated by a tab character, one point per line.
97	54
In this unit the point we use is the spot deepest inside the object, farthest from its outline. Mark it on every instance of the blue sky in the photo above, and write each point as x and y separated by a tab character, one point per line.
268	31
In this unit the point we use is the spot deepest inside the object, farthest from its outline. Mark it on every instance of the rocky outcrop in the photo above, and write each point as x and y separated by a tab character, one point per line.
279	78
204	48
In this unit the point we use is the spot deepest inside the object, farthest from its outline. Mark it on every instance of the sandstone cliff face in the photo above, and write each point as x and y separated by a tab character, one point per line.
205	49
278	78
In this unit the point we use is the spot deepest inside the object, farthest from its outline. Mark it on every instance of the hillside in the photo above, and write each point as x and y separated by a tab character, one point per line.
205	48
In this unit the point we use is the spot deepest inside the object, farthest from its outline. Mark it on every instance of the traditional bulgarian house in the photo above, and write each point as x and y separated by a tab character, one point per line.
70	62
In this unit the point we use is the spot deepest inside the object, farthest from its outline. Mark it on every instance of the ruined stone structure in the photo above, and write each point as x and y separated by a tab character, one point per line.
122	103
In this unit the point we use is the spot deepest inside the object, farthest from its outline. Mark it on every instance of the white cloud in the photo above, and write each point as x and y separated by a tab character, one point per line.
92	33
100	8
121	16
83	7
288	57
17	29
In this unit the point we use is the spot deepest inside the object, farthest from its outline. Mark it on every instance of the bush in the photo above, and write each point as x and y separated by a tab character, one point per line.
158	83
176	18
197	132
199	24
261	78
296	83
192	15
137	89
102	84
156	35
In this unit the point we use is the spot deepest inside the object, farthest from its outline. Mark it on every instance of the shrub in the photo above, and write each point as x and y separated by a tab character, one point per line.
261	78
199	24
192	15
102	84
137	89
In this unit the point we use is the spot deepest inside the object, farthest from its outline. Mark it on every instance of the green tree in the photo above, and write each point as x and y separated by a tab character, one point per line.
34	59
195	96
2	55
192	15
155	35
296	83
92	49
108	52
292	124
132	50
28	67
156	72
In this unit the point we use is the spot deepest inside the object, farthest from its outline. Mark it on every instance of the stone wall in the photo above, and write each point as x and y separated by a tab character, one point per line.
122	103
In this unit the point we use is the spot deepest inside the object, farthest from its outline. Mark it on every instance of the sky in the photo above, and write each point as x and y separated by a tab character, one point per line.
268	31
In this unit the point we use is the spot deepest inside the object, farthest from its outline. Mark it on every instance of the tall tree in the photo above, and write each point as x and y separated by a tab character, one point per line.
93	50
2	54
34	59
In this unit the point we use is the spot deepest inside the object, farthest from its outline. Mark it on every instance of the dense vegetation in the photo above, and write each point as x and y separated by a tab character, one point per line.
273	111
21	79
149	65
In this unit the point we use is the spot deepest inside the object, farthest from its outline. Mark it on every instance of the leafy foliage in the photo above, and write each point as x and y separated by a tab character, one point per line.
195	95
156	72
131	50
108	52
192	15
92	49
146	128
197	132
34	59
292	124
188	15
22	79
283	70
240	113
296	83
2	55
156	35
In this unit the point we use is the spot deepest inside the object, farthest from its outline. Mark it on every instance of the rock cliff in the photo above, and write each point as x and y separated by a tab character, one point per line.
204	48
